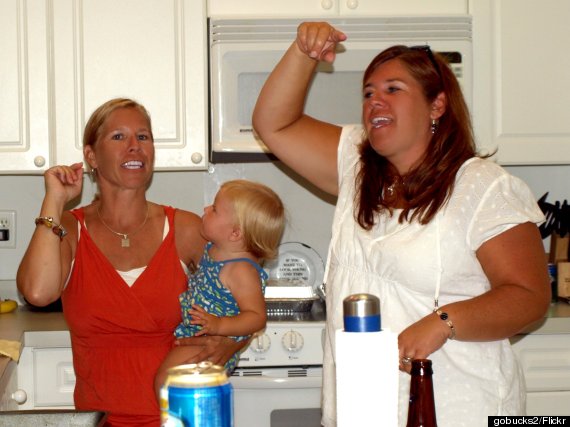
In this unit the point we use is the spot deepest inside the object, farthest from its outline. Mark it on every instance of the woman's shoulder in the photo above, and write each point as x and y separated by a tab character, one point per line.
189	241
350	139
479	170
186	222
351	134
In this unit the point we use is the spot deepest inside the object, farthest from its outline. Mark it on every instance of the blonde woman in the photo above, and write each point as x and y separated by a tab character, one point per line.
119	264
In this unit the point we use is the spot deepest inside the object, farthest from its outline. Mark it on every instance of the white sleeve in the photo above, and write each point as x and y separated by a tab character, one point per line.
507	202
348	155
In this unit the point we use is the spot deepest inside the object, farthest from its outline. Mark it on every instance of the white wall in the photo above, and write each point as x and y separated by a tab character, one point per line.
310	212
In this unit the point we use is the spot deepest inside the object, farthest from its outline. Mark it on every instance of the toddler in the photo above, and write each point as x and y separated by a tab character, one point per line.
243	228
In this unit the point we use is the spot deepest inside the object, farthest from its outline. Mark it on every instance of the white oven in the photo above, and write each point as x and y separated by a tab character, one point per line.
242	53
278	379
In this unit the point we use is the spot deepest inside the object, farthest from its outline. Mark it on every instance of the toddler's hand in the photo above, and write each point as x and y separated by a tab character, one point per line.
208	322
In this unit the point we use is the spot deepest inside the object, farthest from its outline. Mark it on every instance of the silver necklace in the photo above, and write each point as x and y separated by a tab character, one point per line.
125	241
396	184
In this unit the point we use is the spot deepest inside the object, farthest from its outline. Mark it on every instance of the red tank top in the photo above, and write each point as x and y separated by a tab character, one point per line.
121	334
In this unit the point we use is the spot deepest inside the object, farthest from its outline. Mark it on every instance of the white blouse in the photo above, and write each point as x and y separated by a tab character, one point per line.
408	265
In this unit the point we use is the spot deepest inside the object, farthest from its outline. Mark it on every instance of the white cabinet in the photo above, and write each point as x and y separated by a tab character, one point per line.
24	104
45	371
154	51
402	7
308	8
522	89
253	8
545	360
67	57
8	386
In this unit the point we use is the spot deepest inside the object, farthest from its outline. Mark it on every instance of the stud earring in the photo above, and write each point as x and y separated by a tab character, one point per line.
434	125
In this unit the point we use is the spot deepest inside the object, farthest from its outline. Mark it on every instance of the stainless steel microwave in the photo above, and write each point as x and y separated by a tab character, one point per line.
242	53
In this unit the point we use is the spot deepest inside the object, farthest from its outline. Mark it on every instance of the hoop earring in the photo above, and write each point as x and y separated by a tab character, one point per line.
434	125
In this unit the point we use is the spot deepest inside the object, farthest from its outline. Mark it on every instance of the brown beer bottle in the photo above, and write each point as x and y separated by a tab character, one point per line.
421	412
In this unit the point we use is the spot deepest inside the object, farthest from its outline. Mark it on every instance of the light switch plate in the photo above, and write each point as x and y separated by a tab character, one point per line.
7	229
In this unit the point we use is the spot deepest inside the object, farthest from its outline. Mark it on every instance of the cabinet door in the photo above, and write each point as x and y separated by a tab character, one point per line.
548	403
47	377
308	8
289	8
402	7
153	51
8	385
522	89
24	127
545	360
54	378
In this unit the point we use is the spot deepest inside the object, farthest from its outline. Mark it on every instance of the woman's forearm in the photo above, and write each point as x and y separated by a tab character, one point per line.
39	276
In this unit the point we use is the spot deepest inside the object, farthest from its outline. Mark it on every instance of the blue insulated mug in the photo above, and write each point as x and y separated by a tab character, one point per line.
361	313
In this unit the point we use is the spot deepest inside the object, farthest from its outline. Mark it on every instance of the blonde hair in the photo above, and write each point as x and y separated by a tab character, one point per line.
94	125
260	215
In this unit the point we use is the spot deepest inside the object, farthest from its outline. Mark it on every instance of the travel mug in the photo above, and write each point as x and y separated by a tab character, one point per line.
361	313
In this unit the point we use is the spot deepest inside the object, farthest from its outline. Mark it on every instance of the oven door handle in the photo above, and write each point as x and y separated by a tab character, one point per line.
262	382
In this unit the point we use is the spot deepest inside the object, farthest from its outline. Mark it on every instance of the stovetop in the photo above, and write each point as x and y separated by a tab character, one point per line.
289	339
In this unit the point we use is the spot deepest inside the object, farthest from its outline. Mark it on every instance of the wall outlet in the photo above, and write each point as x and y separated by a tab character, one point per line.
7	229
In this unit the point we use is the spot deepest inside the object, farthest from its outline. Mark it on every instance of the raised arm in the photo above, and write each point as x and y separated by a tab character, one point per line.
307	145
44	268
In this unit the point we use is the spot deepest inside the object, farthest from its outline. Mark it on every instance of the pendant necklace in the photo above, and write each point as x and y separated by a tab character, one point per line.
396	184
125	242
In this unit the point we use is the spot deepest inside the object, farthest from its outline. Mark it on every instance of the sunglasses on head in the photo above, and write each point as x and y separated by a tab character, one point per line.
427	50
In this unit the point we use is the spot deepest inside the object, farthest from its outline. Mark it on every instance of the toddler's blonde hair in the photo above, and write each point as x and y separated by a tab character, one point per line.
260	215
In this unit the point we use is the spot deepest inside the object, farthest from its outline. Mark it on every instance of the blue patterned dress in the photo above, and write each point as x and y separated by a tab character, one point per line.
206	290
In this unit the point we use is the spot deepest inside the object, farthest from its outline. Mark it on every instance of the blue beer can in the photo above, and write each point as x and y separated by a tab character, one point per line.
199	395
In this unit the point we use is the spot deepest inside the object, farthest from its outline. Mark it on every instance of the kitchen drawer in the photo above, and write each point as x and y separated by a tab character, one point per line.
54	377
47	377
545	360
548	403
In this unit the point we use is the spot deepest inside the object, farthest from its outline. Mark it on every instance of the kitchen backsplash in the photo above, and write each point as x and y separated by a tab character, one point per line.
309	211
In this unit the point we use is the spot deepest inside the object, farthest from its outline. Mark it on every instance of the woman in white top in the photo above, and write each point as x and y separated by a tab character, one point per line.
448	241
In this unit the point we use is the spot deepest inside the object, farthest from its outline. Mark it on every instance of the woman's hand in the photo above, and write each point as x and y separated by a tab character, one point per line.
64	183
318	40
217	349
421	339
209	323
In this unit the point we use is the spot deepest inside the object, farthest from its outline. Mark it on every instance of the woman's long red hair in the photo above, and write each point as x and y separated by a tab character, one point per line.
429	184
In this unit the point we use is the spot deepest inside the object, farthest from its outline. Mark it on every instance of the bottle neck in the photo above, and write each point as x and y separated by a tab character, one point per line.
421	367
421	411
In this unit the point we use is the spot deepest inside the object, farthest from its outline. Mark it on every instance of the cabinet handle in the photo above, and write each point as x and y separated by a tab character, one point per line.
39	161
20	396
326	4
196	158
352	4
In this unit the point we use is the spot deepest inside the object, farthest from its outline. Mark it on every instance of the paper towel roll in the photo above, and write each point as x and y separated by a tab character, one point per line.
367	378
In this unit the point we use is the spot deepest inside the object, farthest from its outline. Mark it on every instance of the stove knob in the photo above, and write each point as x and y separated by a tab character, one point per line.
260	343
292	341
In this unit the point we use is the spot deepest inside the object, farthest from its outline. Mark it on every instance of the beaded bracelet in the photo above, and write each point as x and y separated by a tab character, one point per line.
445	317
57	229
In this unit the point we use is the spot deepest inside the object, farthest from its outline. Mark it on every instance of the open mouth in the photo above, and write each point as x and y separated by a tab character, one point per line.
133	164
380	121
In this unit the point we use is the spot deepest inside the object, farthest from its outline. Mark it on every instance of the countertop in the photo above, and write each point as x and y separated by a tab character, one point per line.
39	328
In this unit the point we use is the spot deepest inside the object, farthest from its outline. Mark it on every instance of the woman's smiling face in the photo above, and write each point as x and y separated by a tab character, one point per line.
396	115
124	152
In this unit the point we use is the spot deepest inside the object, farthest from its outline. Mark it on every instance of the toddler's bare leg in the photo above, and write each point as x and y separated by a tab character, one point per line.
178	356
